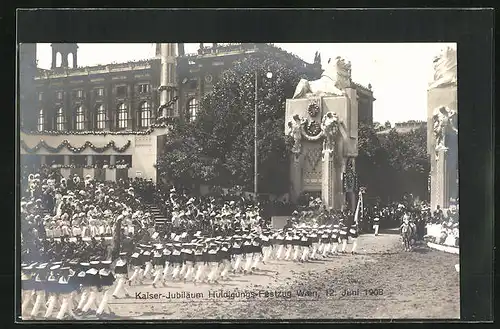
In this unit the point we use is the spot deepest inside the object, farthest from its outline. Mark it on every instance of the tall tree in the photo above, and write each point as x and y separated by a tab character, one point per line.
217	148
394	163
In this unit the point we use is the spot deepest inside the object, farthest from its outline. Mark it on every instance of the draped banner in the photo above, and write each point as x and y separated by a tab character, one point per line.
100	174
122	174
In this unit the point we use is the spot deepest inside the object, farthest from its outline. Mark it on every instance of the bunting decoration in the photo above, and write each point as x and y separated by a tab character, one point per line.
350	176
73	149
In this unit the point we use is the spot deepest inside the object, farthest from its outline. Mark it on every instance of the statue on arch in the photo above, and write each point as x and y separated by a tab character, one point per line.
445	68
296	133
325	85
444	123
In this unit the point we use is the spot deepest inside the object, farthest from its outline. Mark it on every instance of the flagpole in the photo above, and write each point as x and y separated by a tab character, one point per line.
358	207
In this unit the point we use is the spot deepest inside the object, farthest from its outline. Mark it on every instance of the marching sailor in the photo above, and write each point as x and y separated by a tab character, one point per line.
335	238
257	253
266	246
121	274
167	256
353	233
226	259
176	259
376	221
306	243
288	244
82	281
135	262
236	250
200	261
106	280
158	263
66	291
248	252
27	287
296	243
343	234
213	263
93	284
52	289
314	241
39	286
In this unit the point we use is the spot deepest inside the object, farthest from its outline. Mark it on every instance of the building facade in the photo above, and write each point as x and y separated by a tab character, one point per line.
110	115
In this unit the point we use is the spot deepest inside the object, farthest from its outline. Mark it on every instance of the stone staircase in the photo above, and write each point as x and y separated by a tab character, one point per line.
157	215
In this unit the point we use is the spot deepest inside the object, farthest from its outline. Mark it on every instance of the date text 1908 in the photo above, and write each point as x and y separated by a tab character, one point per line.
362	292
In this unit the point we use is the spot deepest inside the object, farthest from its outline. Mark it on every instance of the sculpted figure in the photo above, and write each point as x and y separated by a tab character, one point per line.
296	133
326	85
329	128
443	124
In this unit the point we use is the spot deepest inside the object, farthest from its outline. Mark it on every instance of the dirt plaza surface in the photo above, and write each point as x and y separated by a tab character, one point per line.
380	282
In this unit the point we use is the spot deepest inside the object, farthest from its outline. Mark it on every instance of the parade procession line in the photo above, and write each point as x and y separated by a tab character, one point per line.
332	288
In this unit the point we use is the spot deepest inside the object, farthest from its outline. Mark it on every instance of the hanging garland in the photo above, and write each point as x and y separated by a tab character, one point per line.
74	149
312	128
313	110
311	131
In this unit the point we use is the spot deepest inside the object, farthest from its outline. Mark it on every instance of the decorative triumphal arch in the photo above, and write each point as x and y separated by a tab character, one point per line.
322	119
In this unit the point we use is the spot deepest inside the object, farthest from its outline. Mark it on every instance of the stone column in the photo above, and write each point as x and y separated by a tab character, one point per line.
328	176
90	160
296	177
112	159
440	182
67	160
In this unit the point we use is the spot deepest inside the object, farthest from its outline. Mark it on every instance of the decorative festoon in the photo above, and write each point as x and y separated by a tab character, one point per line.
65	144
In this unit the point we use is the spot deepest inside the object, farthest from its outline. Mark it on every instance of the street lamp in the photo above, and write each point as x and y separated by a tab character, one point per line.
269	75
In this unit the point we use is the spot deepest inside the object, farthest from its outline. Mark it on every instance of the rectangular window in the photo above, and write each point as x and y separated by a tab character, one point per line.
59	95
144	88
121	91
122	119
40	96
79	93
100	92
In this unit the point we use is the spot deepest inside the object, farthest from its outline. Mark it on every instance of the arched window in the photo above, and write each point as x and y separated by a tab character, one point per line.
101	117
80	118
60	119
145	114
122	116
192	109
41	120
58	59
70	60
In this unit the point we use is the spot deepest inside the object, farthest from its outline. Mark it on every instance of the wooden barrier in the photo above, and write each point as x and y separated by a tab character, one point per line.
65	172
88	171
77	171
110	174
122	174
440	247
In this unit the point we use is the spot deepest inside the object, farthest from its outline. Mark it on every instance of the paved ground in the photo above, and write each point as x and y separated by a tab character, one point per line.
383	283
390	284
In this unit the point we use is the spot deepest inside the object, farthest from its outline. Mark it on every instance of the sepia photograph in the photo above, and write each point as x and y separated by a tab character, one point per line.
222	181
